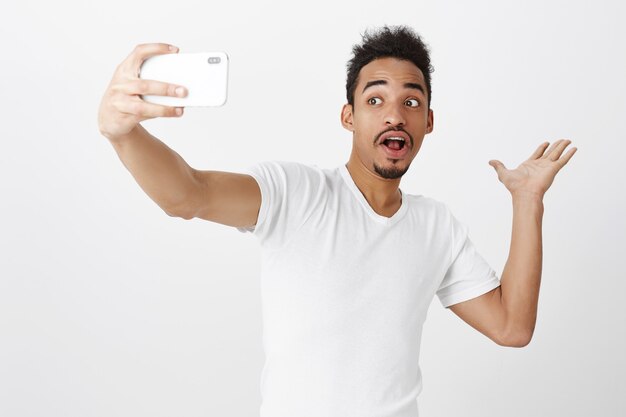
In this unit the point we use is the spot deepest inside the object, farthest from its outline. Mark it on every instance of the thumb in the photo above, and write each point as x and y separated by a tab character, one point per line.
497	165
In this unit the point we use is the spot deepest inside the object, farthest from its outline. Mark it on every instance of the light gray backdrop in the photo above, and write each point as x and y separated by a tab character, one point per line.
108	307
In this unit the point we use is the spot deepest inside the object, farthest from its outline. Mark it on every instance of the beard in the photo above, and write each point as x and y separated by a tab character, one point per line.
390	173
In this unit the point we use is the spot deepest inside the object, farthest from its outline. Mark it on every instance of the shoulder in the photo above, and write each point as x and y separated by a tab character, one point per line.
288	168
289	177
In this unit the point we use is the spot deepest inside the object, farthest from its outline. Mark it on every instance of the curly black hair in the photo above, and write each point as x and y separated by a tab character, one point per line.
399	42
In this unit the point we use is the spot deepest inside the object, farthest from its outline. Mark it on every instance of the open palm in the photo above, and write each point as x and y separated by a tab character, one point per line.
536	174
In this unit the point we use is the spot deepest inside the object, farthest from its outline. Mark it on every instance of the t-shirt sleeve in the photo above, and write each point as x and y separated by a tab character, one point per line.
468	275
287	191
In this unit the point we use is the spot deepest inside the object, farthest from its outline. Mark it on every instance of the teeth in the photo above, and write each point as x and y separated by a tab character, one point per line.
395	138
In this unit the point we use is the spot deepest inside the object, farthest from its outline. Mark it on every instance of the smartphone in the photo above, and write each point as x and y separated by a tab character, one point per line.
204	75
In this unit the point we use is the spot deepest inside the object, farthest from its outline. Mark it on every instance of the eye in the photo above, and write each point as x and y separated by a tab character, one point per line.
414	100
373	98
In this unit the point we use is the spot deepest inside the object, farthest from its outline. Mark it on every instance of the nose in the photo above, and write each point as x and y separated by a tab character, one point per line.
394	116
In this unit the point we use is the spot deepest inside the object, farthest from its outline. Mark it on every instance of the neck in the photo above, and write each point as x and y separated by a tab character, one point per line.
382	194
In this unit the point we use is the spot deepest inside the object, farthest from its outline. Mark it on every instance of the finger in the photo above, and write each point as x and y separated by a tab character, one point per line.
550	149
132	63
139	108
150	87
558	150
539	151
498	166
565	159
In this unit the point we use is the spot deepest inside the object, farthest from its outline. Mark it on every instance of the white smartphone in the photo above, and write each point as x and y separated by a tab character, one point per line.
204	75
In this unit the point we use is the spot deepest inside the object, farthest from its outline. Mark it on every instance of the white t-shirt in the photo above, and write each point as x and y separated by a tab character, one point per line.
345	292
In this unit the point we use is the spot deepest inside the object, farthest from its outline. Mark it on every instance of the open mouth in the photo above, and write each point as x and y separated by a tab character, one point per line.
394	143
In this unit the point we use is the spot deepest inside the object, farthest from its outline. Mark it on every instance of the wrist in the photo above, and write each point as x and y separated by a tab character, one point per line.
528	203
527	196
121	139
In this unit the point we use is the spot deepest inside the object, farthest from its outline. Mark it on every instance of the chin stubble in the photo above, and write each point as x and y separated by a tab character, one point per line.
390	173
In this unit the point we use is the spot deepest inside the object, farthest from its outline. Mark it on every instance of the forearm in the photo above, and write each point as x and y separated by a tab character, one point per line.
161	172
521	277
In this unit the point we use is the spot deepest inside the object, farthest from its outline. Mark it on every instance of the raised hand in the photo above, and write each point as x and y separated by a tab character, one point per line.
122	108
535	175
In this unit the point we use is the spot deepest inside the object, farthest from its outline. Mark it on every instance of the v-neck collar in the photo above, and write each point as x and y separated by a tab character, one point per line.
370	211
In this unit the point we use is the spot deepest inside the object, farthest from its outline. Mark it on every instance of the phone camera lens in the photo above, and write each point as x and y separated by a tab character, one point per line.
215	60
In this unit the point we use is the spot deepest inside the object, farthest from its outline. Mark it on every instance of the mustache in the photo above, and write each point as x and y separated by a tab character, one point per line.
394	130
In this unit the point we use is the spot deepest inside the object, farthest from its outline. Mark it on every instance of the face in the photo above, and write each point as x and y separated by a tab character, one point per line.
389	101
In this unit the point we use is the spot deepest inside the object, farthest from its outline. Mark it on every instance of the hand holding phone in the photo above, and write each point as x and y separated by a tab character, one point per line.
204	75
121	108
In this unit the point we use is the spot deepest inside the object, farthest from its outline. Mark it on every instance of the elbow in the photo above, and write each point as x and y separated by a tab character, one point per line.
516	333
179	214
185	209
517	340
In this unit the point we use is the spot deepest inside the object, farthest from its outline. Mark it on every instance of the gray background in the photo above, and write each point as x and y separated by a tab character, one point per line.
108	307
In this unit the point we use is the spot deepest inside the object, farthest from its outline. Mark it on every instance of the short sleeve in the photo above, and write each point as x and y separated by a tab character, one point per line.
287	190
468	275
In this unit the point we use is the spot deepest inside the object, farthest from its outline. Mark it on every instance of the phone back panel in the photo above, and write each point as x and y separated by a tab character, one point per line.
204	74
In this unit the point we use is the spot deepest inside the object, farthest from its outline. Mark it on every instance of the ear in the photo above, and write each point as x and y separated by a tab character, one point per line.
346	117
430	122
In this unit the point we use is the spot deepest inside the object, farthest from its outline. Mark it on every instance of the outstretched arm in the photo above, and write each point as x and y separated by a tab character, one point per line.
508	313
223	197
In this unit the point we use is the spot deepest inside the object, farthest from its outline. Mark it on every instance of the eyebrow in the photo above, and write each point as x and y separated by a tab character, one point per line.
413	86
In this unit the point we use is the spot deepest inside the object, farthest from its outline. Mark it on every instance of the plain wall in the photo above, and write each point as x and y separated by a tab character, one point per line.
109	307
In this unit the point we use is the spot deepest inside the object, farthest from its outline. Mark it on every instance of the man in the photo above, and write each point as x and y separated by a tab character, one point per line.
350	261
